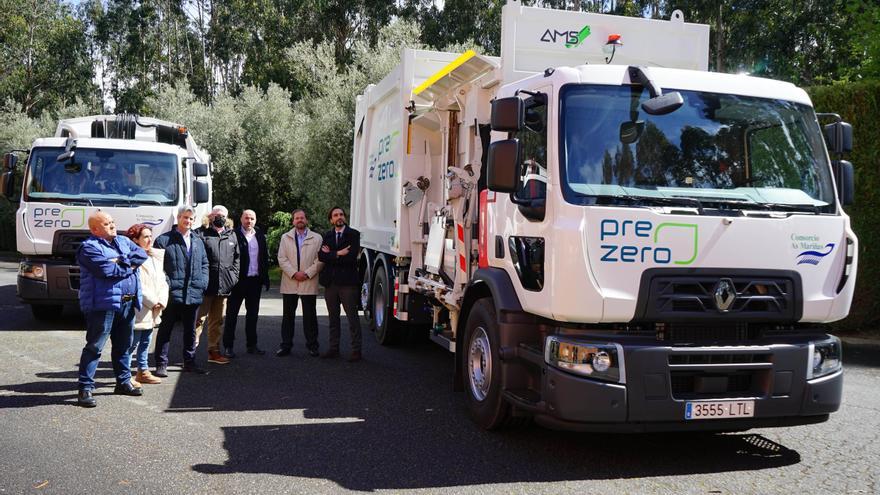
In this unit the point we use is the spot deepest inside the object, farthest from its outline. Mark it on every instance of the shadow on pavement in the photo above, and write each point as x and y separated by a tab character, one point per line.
393	421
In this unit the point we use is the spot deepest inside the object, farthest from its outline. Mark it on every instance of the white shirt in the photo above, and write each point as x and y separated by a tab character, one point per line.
187	239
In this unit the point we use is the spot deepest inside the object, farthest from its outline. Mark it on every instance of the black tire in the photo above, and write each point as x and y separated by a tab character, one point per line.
47	312
481	368
386	328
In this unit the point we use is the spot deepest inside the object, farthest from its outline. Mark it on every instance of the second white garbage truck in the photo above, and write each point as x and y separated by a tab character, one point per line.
606	235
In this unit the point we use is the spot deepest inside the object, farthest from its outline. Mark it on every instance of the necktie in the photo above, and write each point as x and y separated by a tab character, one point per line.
338	239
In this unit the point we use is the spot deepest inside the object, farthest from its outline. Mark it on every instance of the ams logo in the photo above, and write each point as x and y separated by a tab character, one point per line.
572	39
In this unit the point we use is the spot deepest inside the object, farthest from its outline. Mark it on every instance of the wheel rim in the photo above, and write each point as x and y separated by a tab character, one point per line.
379	303
480	364
365	291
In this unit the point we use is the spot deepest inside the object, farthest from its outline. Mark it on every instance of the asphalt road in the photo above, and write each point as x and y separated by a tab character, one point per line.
264	424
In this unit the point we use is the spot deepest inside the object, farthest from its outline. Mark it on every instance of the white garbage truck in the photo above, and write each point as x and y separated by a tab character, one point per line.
137	169
606	235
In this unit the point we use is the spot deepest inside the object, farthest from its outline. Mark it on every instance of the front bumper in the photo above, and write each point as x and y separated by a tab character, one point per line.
60	287
660	380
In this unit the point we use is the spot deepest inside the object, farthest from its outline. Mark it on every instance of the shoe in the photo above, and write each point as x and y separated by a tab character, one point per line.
282	352
330	355
228	352
127	389
355	357
135	383
161	371
85	399
313	352
255	350
193	368
146	377
217	358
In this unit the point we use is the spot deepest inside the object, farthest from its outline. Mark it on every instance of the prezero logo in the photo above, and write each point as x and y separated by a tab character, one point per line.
572	39
59	217
381	161
629	241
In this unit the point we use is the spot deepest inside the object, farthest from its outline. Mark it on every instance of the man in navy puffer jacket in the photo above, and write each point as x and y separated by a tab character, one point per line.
186	266
109	296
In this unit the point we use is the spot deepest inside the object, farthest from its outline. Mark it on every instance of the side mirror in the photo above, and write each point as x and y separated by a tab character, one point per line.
508	114
200	192
200	169
503	166
10	160
839	137
663	104
846	188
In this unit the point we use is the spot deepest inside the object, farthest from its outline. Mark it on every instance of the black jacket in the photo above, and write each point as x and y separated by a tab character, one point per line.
187	273
262	263
340	270
223	260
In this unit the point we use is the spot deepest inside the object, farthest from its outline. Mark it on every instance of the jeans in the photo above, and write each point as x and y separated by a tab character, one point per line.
117	325
186	313
346	296
310	321
248	290
141	345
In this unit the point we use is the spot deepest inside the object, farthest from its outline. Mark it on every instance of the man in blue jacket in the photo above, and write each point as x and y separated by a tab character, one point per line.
186	266
109	296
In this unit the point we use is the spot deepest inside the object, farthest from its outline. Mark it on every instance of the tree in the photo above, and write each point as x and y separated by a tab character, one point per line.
45	55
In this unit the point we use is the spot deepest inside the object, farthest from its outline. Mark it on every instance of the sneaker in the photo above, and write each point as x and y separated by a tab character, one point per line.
193	368
128	389
85	399
255	350
282	352
217	358
146	377
161	371
228	352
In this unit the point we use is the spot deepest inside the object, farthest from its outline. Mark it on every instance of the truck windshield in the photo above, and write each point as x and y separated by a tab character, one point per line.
101	176
718	149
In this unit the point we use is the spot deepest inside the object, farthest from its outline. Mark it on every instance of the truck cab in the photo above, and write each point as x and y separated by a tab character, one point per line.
138	169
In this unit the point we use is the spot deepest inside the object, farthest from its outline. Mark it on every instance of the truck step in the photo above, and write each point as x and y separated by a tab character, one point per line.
524	399
443	339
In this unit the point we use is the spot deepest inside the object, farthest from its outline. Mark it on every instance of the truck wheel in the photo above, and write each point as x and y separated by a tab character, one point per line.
46	312
366	276
387	328
482	367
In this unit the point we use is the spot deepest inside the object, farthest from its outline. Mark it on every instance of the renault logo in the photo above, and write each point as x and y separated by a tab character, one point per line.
725	293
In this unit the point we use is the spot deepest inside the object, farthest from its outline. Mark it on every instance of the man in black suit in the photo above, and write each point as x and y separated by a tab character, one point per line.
254	276
339	252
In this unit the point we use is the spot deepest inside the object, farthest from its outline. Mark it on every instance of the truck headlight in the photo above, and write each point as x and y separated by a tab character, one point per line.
599	361
33	271
825	358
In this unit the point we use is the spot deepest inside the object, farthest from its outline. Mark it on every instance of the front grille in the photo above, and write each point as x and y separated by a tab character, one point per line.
67	242
714	358
706	385
703	332
734	295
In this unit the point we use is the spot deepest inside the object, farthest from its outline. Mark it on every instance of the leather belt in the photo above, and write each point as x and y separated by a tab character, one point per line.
128	297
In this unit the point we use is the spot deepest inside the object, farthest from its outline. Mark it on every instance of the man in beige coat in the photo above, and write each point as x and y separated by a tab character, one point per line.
298	259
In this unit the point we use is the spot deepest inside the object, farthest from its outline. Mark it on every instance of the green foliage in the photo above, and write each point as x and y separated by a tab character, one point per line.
859	104
278	225
46	62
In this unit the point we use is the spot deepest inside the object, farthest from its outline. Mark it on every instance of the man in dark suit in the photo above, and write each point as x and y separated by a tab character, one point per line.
341	282
254	275
186	266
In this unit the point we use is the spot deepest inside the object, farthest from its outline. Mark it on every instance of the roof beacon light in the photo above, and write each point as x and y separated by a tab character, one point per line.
611	46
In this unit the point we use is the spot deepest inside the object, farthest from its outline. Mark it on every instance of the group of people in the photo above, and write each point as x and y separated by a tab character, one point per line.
134	284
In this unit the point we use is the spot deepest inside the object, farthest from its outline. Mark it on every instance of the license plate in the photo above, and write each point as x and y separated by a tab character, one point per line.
719	409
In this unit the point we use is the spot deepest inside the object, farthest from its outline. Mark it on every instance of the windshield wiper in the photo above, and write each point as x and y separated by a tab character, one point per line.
806	207
654	201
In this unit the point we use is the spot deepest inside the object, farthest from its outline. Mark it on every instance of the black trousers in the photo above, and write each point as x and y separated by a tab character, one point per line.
248	290
186	313
310	320
347	297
